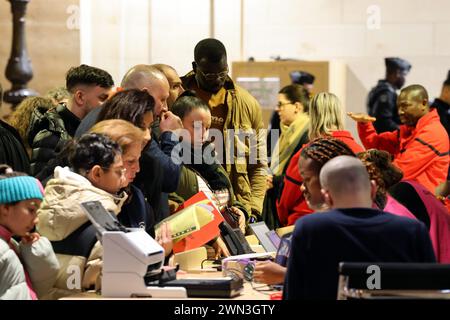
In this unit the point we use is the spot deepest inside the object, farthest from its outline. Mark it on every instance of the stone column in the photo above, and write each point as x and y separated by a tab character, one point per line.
18	71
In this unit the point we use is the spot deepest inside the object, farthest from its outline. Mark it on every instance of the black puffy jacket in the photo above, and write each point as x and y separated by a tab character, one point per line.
55	128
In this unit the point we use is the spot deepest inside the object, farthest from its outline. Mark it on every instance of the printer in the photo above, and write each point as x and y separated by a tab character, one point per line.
132	260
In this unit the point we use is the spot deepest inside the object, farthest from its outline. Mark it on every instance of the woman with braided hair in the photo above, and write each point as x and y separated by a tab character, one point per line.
326	121
385	174
312	158
408	199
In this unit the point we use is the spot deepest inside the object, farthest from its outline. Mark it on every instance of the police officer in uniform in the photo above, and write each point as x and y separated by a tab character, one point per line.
382	99
442	104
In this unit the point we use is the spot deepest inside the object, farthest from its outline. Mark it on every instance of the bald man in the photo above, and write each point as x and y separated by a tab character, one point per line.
420	146
175	85
352	231
150	79
159	175
345	183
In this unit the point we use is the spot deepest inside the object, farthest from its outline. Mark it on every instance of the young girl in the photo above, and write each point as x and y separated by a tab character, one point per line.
28	269
201	170
96	173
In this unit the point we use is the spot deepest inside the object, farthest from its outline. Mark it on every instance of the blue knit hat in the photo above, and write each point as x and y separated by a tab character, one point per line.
20	188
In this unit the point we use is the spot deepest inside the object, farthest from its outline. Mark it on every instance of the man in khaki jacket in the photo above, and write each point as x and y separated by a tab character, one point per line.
236	126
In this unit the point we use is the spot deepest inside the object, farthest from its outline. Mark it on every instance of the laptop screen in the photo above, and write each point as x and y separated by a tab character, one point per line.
284	250
274	237
260	230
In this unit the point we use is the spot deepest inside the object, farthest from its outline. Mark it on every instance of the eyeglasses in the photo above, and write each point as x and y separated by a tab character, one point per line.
281	105
213	76
119	171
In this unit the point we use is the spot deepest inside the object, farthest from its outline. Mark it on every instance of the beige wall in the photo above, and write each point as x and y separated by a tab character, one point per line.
120	33
53	46
359	33
417	30
115	34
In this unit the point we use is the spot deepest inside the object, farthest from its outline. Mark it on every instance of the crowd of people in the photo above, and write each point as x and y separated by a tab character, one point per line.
145	146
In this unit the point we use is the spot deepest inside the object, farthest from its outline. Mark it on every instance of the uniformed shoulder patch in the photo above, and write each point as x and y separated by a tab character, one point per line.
384	98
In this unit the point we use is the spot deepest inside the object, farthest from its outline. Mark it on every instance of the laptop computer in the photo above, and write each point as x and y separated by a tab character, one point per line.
274	237
284	250
260	230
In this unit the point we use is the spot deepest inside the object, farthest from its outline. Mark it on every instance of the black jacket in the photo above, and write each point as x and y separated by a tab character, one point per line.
55	128
382	104
159	174
322	240
137	213
12	150
443	110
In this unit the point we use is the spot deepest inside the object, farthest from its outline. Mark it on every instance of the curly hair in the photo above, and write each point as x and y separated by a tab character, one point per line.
20	118
57	95
90	150
380	168
321	150
130	105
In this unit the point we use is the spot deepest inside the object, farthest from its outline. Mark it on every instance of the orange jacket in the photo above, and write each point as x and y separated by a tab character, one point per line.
421	152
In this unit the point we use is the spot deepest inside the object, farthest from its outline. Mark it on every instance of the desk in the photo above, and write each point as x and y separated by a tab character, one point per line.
247	294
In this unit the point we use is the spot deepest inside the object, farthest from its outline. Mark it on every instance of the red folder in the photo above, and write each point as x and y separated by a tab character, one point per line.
207	232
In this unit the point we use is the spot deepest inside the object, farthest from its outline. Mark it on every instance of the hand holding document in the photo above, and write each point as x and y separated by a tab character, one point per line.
195	224
188	220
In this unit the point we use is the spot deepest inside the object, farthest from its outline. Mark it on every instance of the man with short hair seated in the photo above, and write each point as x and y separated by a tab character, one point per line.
420	146
351	232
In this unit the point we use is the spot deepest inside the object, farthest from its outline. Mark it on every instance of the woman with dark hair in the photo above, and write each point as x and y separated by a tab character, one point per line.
135	106
96	173
385	174
292	107
427	208
408	199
